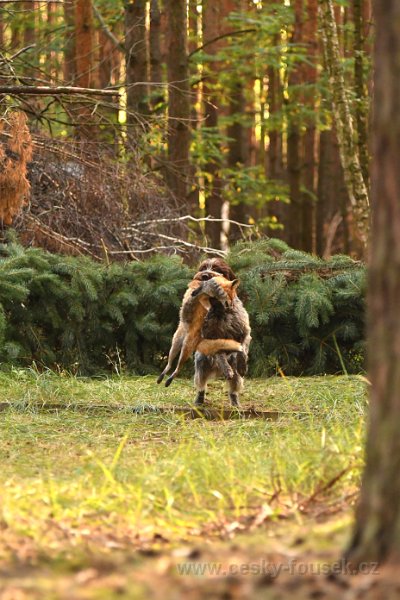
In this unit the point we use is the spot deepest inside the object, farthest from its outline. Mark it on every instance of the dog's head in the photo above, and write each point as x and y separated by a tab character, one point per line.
215	266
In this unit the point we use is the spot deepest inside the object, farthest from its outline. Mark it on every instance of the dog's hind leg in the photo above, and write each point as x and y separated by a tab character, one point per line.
203	370
235	385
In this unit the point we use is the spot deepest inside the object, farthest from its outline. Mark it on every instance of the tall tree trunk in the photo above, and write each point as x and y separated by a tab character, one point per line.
294	178
29	33
238	148
309	138
195	36
51	54
377	529
214	25
69	43
361	105
84	34
332	219
357	189
156	73
278	211
240	133
178	170
294	159
136	69
84	42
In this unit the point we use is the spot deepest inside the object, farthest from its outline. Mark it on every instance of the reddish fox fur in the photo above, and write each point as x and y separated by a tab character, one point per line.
195	305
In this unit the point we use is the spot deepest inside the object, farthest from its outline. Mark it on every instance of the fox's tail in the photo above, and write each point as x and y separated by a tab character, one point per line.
212	346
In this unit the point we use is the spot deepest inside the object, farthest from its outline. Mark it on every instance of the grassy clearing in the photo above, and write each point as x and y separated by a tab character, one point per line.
73	480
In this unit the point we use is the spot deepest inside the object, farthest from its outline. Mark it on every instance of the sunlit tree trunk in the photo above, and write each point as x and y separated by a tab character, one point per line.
178	169
214	26
361	105
377	529
356	186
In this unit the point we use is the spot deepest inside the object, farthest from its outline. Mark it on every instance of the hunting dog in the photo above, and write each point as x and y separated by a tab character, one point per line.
195	305
221	321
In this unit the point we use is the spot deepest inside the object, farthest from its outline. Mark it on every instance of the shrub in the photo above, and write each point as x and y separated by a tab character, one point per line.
72	313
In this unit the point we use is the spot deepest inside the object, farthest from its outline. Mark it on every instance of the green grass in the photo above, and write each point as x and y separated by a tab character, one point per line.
70	476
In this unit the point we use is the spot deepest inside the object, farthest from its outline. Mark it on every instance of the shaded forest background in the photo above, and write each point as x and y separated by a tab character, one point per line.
212	122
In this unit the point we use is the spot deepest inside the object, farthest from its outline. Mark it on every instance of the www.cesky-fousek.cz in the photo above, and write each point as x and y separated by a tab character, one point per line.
264	567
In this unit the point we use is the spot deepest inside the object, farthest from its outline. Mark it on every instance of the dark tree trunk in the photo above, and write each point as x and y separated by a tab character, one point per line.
136	69
294	178
294	159
332	227
274	167
238	146
377	529
156	73
84	34
309	138
178	170
30	11
69	43
274	155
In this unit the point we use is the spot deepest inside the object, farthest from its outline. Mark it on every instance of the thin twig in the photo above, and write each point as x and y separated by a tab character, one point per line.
221	37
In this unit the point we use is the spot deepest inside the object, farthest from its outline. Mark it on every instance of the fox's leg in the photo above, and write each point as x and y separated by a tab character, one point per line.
203	369
208	346
235	385
175	348
187	348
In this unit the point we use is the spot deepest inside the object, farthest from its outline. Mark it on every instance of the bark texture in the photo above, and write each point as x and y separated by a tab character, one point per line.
377	530
178	100
355	183
156	74
214	26
84	43
136	68
359	88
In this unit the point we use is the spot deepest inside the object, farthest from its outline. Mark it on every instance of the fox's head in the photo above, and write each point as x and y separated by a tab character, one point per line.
229	287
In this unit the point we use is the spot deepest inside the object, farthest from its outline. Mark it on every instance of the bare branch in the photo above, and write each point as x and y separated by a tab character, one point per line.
221	37
119	45
23	90
193	219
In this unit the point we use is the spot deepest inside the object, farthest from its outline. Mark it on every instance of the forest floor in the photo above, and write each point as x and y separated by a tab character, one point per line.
102	501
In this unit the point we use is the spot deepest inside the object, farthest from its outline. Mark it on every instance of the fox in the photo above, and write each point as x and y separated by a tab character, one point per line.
195	305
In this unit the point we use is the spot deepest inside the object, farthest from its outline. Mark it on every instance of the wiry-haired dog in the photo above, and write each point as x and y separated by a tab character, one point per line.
195	305
223	322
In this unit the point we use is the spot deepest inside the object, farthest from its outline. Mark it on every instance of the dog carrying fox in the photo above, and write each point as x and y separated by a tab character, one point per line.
214	324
